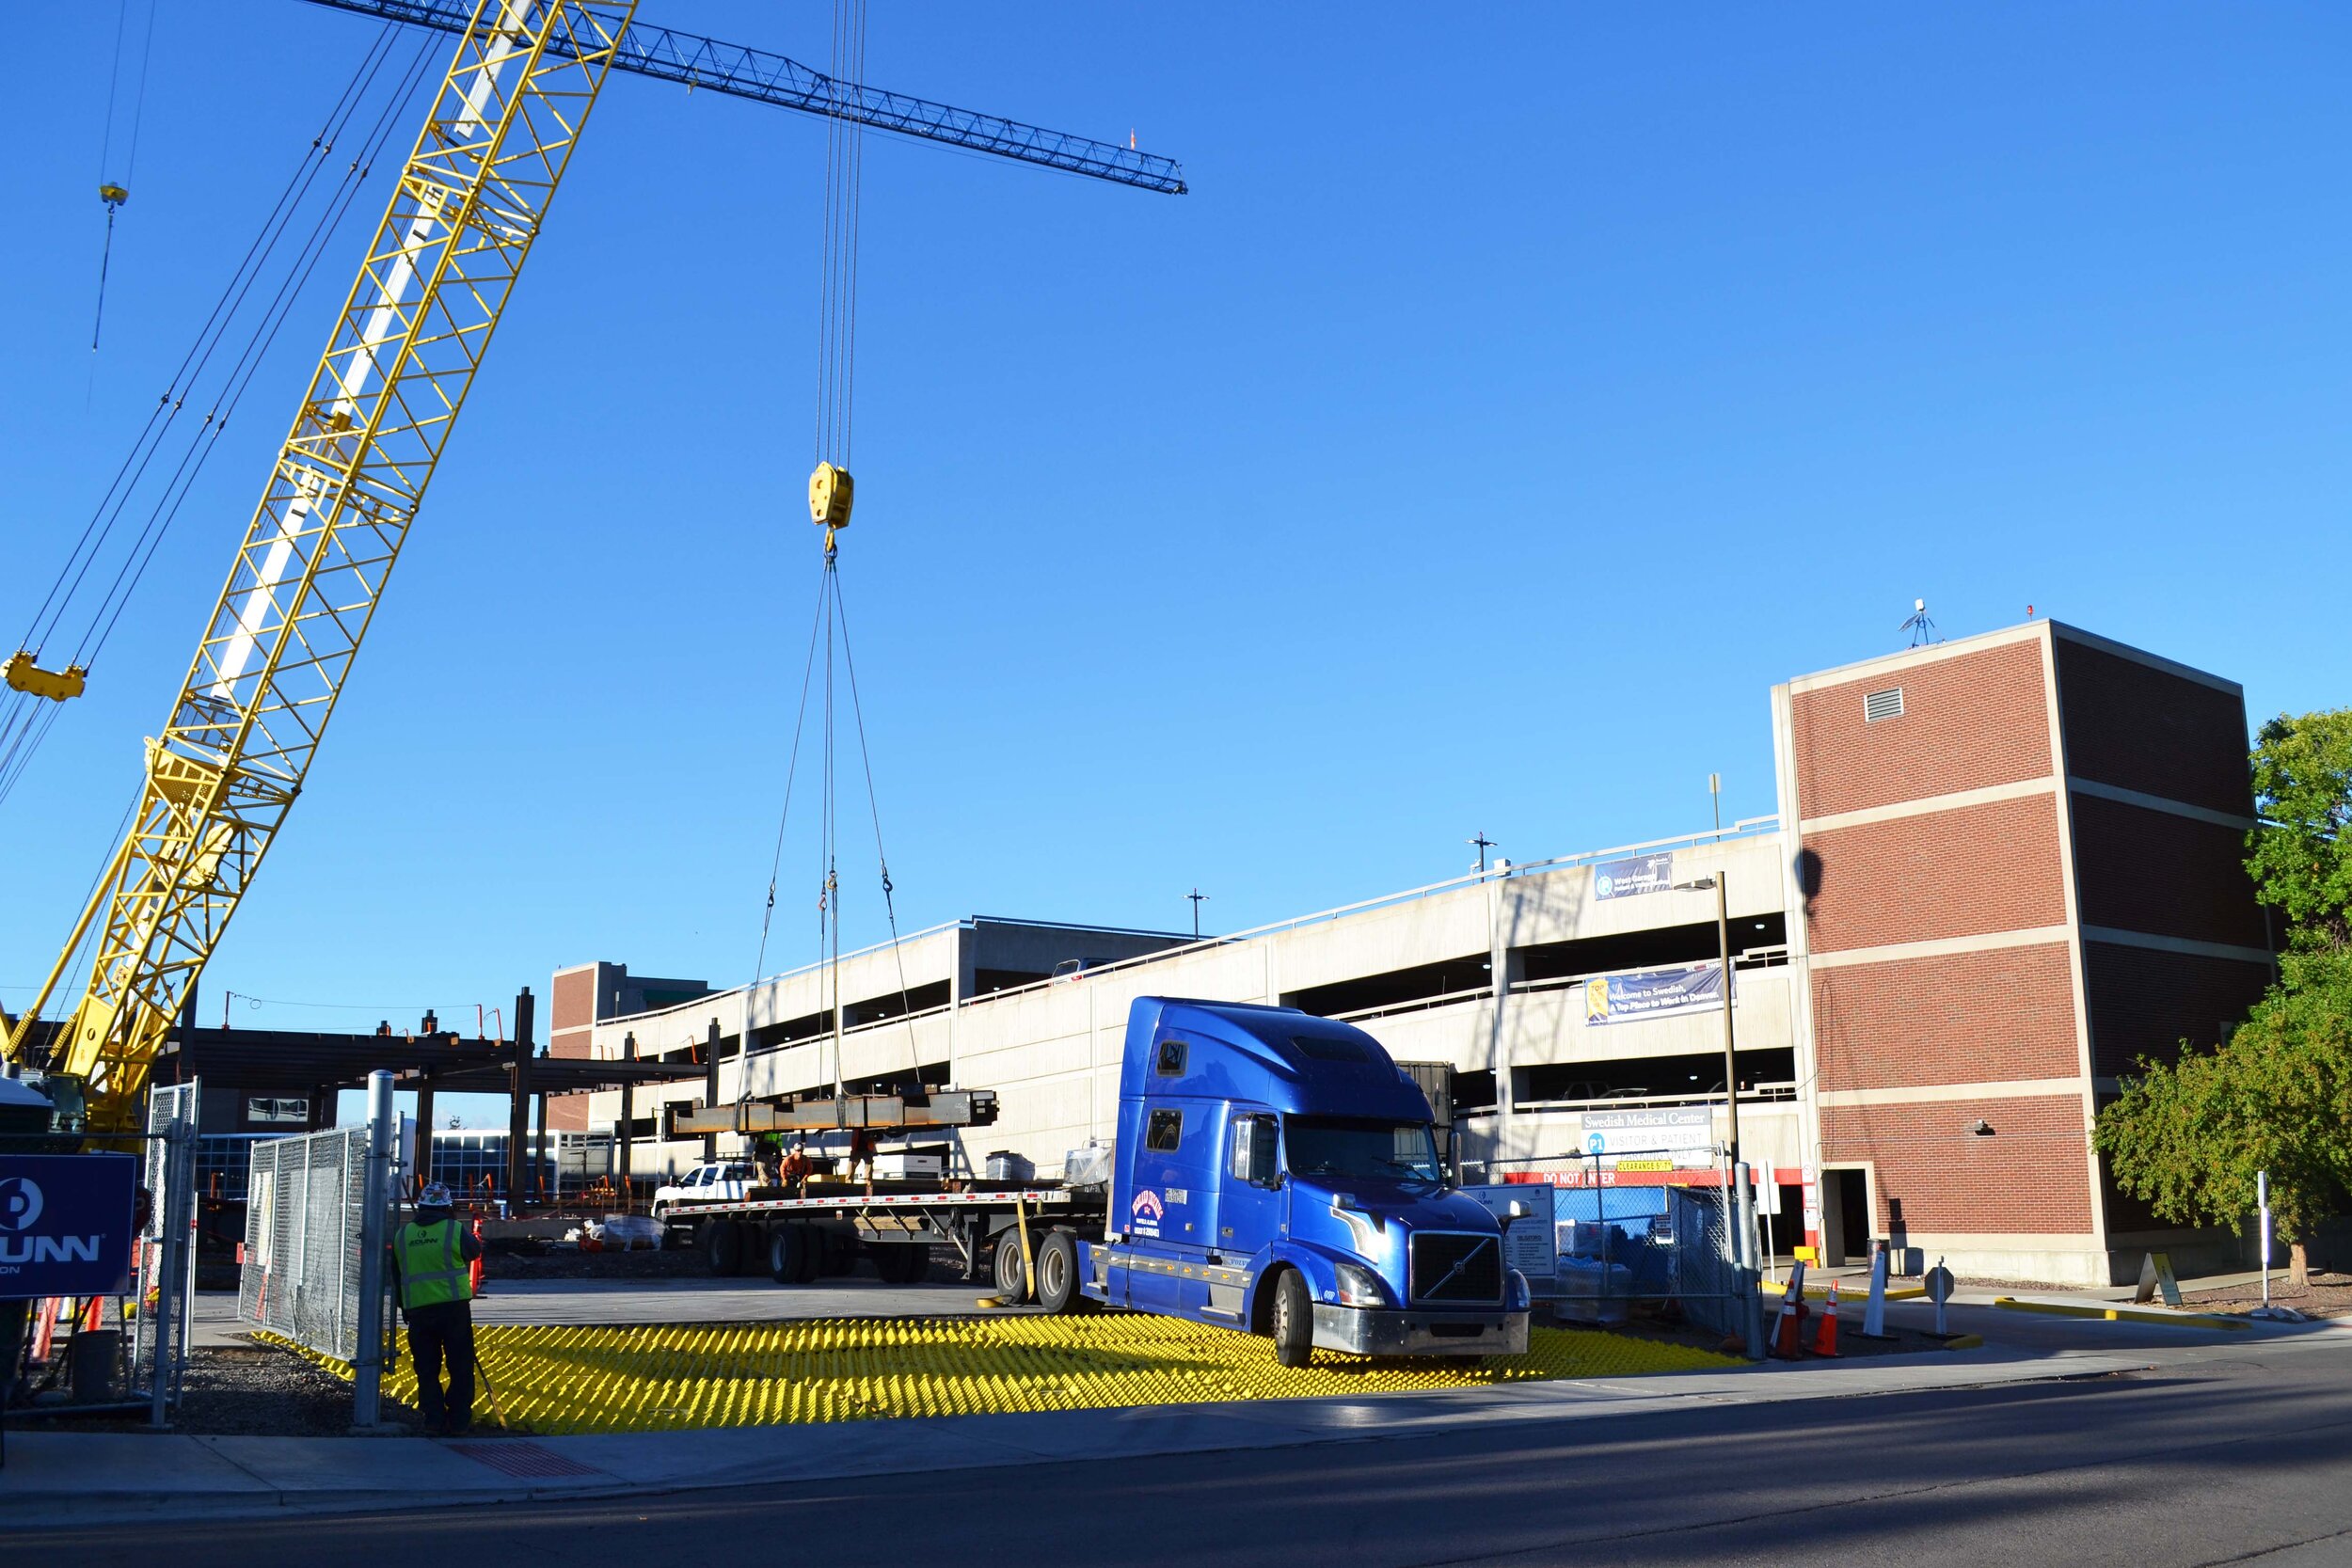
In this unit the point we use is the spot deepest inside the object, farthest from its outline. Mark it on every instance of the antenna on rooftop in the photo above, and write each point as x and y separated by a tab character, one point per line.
1922	630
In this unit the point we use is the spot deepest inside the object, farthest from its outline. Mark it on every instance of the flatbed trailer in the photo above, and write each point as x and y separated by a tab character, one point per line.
797	1240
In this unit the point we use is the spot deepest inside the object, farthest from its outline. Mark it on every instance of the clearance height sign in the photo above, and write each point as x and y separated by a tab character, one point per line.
65	1224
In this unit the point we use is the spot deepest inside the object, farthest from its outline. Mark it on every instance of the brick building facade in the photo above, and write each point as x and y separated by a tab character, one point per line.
2027	850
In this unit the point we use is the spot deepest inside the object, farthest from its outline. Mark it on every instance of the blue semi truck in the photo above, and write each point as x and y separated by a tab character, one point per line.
1272	1171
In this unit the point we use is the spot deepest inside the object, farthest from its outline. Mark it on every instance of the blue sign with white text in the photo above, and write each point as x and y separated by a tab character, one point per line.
1639	873
1615	998
65	1224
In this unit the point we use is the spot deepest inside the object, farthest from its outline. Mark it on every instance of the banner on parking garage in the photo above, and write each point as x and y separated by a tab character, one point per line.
1616	998
1621	879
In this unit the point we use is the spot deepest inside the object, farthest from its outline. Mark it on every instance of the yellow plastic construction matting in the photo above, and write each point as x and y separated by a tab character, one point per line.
660	1377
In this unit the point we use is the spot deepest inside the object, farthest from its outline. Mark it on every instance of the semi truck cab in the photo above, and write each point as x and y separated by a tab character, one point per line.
1277	1172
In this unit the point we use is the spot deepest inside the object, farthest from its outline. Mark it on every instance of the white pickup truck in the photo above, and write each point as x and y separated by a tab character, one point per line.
724	1181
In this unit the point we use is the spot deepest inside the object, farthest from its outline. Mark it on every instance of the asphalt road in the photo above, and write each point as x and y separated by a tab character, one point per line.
2223	1455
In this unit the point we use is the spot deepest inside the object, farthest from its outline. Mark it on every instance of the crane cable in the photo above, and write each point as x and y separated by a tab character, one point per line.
27	724
112	192
836	430
22	733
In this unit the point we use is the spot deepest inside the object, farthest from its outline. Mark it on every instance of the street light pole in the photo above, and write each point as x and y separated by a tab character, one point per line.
1731	1072
1723	953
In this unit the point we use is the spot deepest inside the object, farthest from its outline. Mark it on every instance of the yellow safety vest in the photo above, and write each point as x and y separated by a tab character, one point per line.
432	1270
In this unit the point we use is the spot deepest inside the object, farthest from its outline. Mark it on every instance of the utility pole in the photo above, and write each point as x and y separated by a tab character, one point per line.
1197	898
1715	789
1483	844
1722	950
1731	1069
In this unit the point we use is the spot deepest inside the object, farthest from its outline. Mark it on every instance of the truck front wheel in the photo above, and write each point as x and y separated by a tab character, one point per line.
1294	1320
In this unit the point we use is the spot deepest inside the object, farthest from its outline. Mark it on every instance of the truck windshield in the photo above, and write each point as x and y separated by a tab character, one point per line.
1377	1150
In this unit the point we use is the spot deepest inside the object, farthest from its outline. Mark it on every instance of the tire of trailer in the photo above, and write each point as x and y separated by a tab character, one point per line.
783	1254
722	1247
840	1253
1294	1320
1058	1274
811	1260
1012	1281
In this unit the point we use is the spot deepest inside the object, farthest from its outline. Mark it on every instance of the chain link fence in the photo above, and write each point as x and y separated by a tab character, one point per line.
165	1259
306	1202
1637	1247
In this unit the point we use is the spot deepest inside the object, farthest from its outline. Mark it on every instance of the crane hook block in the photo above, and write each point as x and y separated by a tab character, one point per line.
112	194
830	490
56	685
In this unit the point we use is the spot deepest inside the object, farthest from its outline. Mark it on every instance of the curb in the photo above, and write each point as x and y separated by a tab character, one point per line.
2122	1314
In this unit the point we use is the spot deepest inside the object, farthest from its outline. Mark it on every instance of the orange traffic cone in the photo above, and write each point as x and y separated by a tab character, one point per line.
1785	1330
1826	1337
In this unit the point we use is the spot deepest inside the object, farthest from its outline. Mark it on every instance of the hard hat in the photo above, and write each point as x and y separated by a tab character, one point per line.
436	1195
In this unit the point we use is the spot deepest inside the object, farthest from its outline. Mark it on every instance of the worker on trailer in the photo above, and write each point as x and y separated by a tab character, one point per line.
429	1259
795	1170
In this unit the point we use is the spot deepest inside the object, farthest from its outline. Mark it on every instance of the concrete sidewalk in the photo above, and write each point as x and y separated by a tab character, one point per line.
55	1477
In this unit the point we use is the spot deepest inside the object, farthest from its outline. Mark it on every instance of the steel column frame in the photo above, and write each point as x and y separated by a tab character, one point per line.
346	484
700	63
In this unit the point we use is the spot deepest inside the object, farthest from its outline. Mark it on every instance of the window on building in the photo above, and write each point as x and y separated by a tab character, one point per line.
1163	1132
1883	705
266	1112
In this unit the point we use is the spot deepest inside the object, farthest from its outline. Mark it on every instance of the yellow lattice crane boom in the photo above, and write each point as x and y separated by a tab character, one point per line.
344	488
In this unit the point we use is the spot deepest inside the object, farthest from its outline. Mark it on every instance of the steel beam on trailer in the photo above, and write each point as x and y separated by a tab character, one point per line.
873	1112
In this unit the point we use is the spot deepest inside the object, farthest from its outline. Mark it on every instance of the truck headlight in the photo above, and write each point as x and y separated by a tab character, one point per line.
1359	1286
1517	1296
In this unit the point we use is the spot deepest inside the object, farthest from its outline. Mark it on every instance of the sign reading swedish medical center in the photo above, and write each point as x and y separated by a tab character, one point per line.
65	1224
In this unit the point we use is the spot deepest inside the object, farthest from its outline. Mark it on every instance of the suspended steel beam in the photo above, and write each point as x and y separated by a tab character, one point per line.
765	78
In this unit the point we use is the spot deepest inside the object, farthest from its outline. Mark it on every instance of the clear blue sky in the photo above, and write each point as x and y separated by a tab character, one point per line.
1518	394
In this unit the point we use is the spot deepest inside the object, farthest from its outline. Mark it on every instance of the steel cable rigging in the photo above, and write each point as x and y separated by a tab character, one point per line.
279	273
830	494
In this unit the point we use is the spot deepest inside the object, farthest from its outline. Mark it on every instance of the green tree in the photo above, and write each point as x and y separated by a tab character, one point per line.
2277	1096
2300	856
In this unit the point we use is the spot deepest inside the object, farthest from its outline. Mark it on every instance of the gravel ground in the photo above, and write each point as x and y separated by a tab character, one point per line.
245	1390
2328	1295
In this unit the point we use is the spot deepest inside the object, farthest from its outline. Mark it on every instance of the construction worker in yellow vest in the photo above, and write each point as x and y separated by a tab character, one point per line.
429	1259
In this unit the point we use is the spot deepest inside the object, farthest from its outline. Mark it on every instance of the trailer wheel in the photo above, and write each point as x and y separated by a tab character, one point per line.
1013	1275
723	1246
811	1261
783	1254
1058	1274
1294	1320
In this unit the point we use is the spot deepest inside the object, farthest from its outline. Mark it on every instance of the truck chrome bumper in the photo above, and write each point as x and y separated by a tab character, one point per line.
1361	1331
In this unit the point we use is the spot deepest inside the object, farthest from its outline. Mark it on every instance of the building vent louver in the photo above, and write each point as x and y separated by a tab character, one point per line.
1883	705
